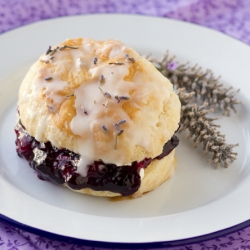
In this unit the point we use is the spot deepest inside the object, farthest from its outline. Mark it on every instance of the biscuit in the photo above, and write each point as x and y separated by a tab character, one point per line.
103	101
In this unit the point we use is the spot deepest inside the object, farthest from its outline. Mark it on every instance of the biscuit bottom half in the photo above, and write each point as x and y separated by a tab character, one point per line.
108	180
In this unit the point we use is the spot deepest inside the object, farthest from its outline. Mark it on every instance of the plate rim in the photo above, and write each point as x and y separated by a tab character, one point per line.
125	245
119	14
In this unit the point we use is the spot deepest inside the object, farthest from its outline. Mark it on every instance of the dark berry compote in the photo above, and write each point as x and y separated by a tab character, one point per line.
60	166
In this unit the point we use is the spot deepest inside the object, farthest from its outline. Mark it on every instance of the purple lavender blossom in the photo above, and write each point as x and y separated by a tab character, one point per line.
172	65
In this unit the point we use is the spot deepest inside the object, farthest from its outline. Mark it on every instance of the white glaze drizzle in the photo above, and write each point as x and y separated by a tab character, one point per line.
142	173
100	109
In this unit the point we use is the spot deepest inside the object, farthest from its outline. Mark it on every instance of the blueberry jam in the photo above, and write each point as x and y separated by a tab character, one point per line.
59	166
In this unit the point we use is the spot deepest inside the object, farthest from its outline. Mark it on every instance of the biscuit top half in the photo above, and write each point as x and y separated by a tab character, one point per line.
100	99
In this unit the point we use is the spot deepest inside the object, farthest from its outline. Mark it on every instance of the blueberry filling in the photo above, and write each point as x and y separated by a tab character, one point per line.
59	166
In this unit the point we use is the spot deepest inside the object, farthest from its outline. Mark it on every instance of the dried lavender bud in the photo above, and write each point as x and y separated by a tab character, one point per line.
104	128
95	60
53	51
85	112
116	125
70	95
48	79
67	47
48	51
106	104
107	94
101	90
51	109
71	47
117	63
120	132
129	59
124	98
121	122
101	79
117	98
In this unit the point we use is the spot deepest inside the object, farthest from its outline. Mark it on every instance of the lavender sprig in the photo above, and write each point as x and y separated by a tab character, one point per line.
203	129
204	84
120	131
200	93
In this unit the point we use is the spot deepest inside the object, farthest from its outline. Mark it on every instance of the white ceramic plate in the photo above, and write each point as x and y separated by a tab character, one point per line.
197	201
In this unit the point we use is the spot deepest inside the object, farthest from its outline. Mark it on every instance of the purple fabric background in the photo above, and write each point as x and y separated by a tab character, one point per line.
231	17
